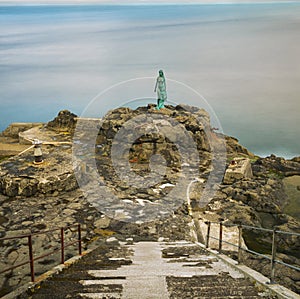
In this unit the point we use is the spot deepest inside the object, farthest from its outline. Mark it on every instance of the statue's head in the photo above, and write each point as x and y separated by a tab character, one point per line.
161	73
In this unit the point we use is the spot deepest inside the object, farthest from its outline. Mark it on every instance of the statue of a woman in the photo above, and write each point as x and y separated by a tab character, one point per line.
160	87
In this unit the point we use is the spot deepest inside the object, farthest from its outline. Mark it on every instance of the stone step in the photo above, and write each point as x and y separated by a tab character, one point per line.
222	297
222	292
101	296
149	270
211	281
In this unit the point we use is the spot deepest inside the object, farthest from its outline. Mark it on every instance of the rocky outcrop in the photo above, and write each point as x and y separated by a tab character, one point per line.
151	134
277	166
14	129
234	148
64	122
260	202
21	177
238	168
42	196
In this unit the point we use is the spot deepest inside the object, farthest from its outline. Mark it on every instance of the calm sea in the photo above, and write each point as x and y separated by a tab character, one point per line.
244	59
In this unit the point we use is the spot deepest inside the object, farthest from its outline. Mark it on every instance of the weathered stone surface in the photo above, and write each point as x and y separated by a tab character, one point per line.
238	168
21	177
46	196
233	148
103	222
276	166
14	129
64	122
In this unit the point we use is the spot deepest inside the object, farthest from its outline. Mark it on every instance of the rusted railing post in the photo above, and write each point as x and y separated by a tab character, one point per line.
274	249
62	245
207	235
220	237
31	261
79	239
240	244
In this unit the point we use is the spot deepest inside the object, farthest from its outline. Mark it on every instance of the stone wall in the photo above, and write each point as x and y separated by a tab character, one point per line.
14	129
19	176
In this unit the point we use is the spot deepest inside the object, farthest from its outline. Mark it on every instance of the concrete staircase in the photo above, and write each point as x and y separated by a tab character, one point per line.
148	270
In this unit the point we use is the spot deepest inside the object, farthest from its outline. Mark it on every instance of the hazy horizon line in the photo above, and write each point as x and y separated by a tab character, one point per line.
142	2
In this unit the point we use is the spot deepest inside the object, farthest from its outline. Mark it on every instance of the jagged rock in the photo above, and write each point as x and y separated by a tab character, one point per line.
64	122
233	148
14	129
276	166
21	177
296	159
239	168
175	123
103	222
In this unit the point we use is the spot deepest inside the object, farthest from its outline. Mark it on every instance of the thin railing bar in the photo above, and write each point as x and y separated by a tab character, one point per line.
46	254
55	250
220	237
29	234
62	245
25	263
36	233
259	254
274	251
258	228
207	235
288	265
272	259
31	257
228	224
223	241
52	252
224	223
71	243
14	267
17	237
229	243
287	233
37	258
79	239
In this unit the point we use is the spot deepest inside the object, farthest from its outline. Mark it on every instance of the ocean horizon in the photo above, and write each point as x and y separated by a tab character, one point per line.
241	58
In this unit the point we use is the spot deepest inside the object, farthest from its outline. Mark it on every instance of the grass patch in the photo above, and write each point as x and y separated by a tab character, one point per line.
275	174
293	206
3	158
103	232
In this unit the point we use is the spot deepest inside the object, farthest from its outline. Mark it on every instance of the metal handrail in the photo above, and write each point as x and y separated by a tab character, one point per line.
240	248
288	233
61	247
36	233
257	228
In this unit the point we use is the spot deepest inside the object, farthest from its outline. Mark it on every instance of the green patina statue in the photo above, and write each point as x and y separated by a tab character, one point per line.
160	87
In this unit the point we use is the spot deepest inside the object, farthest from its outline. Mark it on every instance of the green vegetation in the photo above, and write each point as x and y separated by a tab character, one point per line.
2	158
291	185
273	173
